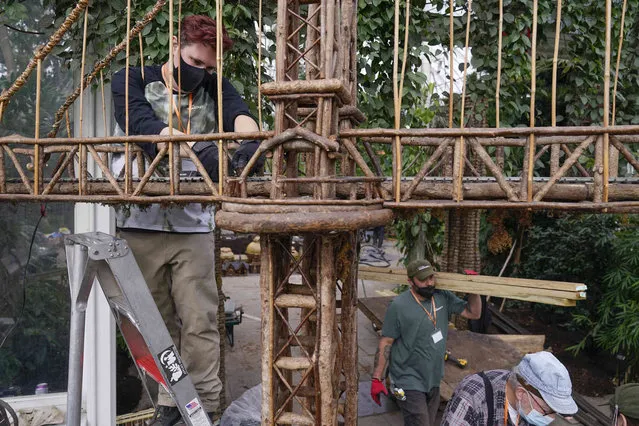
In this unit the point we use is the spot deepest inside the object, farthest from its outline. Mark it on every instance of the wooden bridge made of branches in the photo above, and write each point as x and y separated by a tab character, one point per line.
326	181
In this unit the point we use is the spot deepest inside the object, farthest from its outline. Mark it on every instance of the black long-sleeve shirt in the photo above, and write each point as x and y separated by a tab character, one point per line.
149	105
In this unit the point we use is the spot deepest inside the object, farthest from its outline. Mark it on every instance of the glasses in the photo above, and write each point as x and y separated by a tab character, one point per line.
545	411
615	415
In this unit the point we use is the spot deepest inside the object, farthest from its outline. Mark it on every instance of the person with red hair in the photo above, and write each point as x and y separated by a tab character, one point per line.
174	246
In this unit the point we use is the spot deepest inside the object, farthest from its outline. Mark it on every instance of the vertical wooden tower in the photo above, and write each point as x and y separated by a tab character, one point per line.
309	327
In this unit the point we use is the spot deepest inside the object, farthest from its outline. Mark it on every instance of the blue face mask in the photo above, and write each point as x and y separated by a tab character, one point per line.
534	417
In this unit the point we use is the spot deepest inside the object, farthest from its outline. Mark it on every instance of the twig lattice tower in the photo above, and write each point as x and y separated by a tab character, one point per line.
309	356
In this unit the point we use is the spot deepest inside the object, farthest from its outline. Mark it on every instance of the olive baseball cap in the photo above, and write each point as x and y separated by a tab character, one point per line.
627	398
420	269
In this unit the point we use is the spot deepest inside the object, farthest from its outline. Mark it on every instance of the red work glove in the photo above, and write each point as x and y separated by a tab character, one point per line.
377	387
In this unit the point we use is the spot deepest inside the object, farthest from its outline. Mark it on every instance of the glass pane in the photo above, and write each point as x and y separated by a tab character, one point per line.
34	295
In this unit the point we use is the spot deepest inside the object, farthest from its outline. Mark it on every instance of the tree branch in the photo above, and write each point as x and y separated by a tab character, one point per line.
23	31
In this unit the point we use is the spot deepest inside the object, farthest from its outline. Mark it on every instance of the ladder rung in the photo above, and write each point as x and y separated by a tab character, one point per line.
295	301
313	318
289	418
293	363
298	289
306	341
307	392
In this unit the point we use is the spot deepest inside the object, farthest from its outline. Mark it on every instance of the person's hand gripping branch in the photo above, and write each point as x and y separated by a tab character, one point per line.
247	148
243	155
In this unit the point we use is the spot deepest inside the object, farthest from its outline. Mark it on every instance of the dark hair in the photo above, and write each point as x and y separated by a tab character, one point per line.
632	422
202	29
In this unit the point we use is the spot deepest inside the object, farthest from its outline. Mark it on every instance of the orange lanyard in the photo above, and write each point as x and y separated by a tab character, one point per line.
177	110
506	412
179	117
432	317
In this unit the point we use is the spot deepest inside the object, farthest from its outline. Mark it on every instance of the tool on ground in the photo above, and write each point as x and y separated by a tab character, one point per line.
459	362
108	261
232	316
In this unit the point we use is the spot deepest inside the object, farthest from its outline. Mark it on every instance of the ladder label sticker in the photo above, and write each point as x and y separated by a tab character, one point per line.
172	365
196	413
192	406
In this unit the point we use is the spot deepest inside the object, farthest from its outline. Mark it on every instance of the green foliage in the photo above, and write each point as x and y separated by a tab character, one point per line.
375	64
568	248
107	23
601	251
26	31
615	327
419	236
37	349
573	248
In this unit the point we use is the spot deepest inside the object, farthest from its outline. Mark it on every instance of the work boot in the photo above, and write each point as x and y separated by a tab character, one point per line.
215	417
166	416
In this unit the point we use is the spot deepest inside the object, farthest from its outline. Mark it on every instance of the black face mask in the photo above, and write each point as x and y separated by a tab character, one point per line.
425	292
191	77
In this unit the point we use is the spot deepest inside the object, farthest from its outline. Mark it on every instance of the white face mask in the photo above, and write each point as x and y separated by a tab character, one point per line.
534	417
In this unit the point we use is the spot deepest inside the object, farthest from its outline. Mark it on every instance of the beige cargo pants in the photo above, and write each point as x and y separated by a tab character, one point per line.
179	270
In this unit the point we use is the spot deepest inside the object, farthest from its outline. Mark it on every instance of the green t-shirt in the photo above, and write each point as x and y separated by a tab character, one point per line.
417	361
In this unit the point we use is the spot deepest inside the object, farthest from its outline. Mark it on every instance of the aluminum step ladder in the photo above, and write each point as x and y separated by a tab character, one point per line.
96	255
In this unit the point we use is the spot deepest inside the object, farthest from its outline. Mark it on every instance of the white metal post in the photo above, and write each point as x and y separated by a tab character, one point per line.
99	346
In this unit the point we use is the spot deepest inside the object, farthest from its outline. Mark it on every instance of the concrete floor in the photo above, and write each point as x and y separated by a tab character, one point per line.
243	360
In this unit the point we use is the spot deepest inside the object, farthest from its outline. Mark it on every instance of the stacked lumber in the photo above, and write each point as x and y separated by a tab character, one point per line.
540	291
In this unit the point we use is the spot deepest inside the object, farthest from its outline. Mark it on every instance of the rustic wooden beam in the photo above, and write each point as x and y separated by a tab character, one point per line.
327	350
59	170
424	170
497	173
564	168
625	152
495	132
602	207
300	87
581	169
294	222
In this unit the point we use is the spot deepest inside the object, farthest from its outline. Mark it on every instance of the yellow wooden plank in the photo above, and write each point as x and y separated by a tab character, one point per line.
400	276
510	290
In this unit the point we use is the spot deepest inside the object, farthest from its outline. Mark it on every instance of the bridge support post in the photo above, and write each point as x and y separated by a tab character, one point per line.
309	329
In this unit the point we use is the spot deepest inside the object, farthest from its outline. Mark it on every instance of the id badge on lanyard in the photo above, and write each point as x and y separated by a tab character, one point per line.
437	335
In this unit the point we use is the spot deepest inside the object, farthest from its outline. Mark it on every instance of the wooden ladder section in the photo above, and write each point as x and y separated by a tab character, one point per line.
309	330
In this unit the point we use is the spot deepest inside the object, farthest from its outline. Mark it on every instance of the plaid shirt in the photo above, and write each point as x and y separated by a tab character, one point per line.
468	406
